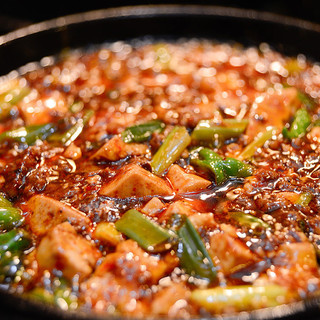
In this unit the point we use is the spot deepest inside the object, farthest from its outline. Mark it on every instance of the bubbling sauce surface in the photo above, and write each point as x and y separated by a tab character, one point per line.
161	179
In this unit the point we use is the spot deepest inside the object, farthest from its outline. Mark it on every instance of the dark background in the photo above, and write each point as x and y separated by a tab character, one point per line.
18	13
15	14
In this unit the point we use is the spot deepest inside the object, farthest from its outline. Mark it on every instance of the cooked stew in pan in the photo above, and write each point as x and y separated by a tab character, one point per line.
161	179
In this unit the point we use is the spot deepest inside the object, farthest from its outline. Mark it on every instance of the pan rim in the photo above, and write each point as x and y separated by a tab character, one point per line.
143	11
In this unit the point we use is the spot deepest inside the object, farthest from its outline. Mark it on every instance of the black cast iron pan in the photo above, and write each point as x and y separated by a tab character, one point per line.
287	35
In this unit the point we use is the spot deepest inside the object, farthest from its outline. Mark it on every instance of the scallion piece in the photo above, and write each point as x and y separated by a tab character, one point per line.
149	235
171	149
239	298
73	133
207	130
193	255
257	143
142	132
29	134
304	199
250	221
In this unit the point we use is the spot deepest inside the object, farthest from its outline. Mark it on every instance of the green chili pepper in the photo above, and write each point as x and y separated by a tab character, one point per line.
193	255
29	134
237	168
222	169
10	217
239	298
248	220
12	245
61	295
13	241
212	162
171	149
73	133
258	142
299	126
142	132
149	235
207	130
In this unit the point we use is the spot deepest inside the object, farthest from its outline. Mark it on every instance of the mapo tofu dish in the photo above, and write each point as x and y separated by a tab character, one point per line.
150	179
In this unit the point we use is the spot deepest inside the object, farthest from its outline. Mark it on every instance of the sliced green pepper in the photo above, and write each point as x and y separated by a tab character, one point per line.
12	245
193	255
222	169
10	217
13	241
171	149
142	132
306	100
149	235
299	126
60	295
236	168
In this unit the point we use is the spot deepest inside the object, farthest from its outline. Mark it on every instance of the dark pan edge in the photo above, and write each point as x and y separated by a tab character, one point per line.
151	10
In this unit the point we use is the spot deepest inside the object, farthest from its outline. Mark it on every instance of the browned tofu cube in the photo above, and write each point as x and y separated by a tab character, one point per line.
63	249
185	182
48	212
134	181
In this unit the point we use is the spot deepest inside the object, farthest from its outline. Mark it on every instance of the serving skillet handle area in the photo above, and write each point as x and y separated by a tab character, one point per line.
287	35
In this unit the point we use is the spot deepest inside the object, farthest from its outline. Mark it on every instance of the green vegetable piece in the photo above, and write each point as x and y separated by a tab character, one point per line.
61	295
222	169
193	255
299	126
240	298
306	100
304	199
76	107
212	162
206	130
10	217
73	133
250	221
142	132
147	233
216	167
11	98
42	295
29	134
13	241
257	143
236	168
171	149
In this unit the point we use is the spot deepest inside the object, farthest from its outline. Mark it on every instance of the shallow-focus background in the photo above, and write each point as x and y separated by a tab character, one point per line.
18	13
